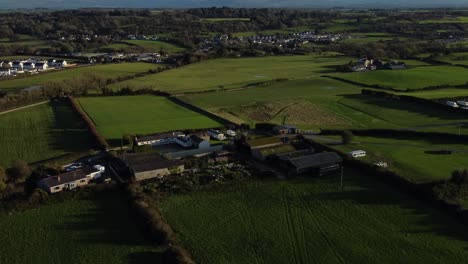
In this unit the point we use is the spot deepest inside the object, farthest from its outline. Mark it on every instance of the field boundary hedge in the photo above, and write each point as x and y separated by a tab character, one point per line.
100	140
421	192
155	226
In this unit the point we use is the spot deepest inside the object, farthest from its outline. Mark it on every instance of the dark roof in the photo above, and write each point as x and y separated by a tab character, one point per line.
28	63
88	170
64	178
264	141
40	63
59	61
295	154
315	160
196	139
141	162
159	136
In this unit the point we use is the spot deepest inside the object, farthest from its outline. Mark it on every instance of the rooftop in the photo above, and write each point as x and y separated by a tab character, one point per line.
264	141
159	136
64	178
315	160
141	162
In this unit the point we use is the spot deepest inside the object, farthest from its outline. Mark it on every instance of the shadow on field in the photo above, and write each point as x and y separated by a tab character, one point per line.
371	192
404	106
110	223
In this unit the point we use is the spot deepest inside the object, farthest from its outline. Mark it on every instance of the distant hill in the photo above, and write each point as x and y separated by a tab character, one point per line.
66	4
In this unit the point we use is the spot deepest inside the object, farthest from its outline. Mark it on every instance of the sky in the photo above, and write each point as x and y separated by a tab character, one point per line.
66	4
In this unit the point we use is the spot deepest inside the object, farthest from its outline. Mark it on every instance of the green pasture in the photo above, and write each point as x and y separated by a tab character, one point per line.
408	157
334	100
98	229
458	58
117	116
40	133
105	70
235	73
156	46
446	20
312	221
411	79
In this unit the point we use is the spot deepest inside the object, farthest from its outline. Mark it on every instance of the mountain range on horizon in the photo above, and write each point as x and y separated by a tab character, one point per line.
71	4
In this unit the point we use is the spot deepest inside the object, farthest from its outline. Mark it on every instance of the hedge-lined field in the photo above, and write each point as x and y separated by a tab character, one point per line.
41	132
412	79
106	71
119	115
312	221
408	157
235	73
97	230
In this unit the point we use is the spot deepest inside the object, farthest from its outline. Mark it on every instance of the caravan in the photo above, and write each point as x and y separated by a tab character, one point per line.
357	154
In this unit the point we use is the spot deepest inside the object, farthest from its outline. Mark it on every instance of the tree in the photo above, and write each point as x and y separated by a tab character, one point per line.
3	179
346	137
19	171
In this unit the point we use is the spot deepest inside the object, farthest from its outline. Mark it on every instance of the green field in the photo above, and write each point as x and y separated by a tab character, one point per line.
106	70
311	221
440	93
93	230
412	79
156	46
116	116
458	58
324	103
41	132
221	19
235	73
447	20
408	158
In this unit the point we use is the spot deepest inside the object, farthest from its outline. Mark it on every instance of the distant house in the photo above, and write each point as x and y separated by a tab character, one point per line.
145	166
67	181
6	64
60	64
158	139
29	66
5	72
285	129
17	65
396	65
199	142
42	66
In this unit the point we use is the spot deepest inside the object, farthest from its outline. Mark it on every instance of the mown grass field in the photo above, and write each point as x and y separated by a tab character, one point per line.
157	46
117	116
408	157
441	93
41	132
106	70
312	221
93	230
447	20
235	73
412	79
457	58
324	103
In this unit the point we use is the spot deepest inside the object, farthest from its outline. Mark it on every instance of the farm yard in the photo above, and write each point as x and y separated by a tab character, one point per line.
411	157
106	70
222	74
312	221
40	133
97	229
117	116
411	79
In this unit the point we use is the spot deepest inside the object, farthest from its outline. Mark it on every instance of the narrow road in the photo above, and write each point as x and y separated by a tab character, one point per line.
23	107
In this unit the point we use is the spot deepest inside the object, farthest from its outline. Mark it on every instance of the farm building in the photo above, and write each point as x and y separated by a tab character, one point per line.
69	180
145	166
264	153
199	142
264	142
159	139
318	164
285	129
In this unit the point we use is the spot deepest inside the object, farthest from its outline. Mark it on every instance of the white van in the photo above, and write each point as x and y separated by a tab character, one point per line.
357	154
462	103
452	104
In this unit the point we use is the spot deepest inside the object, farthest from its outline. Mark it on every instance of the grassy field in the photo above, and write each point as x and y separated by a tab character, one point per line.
235	73
447	20
116	116
458	58
311	221
156	46
41	132
408	157
440	93
106	70
412	79
97	230
324	103
221	19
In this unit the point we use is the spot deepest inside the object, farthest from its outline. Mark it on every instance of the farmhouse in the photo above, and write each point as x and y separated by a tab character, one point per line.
145	166
69	180
5	72
318	164
60	64
17	65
